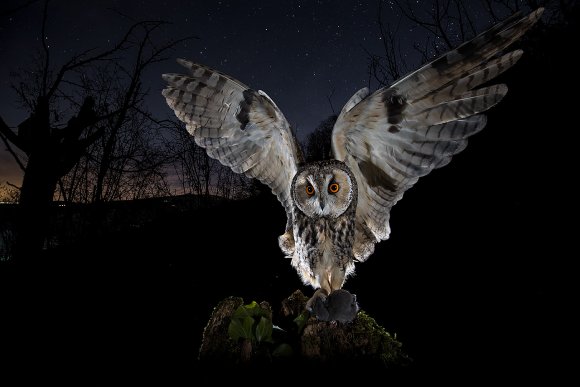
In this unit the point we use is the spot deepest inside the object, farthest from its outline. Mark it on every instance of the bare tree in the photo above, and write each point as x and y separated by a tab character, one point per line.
8	198
70	110
192	167
231	185
9	193
390	65
318	143
134	169
445	23
194	172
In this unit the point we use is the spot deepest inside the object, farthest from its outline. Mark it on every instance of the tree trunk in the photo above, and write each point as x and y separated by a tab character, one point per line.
38	186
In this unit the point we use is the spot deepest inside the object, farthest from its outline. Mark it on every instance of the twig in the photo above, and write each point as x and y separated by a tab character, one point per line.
8	136
12	185
329	99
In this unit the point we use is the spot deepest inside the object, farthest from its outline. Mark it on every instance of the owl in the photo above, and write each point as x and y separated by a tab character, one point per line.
382	143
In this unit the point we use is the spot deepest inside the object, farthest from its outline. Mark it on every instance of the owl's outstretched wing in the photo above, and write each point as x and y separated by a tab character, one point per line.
240	127
400	133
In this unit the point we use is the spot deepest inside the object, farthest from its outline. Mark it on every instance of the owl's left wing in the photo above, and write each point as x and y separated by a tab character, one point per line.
240	127
400	133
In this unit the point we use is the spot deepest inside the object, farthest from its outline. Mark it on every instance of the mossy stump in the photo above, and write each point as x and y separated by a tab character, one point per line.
299	338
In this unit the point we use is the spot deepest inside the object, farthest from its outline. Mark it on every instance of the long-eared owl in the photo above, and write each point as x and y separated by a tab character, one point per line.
382	143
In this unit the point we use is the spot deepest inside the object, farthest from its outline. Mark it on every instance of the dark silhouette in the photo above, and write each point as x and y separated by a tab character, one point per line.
318	143
51	153
198	174
53	147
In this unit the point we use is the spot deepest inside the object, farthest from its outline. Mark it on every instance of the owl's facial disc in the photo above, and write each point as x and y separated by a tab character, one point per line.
307	194
326	193
337	193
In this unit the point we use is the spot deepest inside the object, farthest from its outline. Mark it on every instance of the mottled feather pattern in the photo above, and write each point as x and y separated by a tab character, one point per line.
323	254
315	239
468	56
382	144
402	132
238	126
469	80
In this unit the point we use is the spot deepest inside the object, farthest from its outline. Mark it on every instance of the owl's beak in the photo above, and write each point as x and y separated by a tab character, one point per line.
321	205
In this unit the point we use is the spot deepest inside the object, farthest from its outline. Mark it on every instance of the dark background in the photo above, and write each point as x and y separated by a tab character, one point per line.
299	52
475	280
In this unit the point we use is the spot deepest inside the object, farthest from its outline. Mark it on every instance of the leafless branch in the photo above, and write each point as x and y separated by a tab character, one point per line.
9	133
391	71
8	136
12	152
62	190
329	99
490	10
435	25
12	185
82	60
465	16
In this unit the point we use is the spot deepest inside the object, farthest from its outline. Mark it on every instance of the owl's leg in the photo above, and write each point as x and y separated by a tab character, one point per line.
317	305
325	289
340	303
319	293
337	277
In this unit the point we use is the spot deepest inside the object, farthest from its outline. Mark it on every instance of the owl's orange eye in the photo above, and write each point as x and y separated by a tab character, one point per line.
333	188
309	190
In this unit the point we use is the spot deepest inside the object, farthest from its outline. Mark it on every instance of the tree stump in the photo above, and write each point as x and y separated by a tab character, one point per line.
298	339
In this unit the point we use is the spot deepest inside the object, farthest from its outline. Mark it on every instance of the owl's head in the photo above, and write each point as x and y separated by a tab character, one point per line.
324	188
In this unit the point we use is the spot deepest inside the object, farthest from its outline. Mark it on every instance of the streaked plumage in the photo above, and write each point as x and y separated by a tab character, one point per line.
382	142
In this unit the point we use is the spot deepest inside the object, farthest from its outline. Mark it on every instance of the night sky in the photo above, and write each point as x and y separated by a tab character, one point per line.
476	274
299	52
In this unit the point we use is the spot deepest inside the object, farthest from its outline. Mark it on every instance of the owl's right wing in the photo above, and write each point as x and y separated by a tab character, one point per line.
391	138
240	127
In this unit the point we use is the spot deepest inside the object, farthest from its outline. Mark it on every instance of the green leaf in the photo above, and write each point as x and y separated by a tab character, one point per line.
301	320
255	310
241	313
283	350
241	328
247	324
264	330
235	329
252	308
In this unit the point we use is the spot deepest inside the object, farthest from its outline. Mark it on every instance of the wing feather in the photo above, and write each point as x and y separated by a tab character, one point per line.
240	127
400	133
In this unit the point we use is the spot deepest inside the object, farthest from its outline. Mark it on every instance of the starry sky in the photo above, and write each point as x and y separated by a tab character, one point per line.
301	52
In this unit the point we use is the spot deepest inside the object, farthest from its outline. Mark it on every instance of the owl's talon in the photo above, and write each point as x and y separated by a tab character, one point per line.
317	305
318	294
340	305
